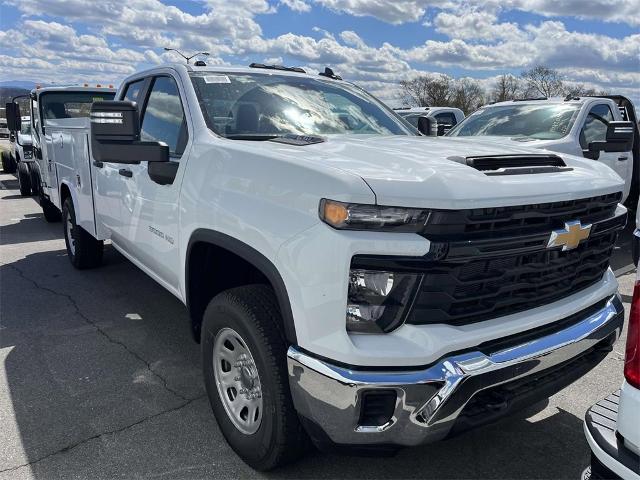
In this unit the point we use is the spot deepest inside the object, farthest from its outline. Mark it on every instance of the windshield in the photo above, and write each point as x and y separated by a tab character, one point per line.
541	122
56	105
261	105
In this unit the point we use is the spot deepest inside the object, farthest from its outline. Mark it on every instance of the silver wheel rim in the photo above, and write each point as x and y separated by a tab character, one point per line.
70	239
238	382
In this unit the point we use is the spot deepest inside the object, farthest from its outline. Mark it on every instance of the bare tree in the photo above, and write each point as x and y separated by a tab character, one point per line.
580	90
428	90
543	81
507	87
468	95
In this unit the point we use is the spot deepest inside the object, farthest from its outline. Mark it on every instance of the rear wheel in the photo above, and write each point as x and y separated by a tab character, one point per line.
244	356
24	179
8	165
84	251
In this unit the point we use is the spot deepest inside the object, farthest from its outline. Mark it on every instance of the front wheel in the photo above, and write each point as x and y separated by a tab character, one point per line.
84	251
244	356
24	179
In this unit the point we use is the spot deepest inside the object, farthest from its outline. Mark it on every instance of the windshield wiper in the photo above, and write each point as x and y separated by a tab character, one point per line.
258	137
289	138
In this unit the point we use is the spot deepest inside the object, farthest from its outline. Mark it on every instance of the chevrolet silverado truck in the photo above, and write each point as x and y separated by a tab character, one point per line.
574	125
352	283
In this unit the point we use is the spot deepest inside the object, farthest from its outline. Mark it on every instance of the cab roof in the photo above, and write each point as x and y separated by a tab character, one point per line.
72	88
549	101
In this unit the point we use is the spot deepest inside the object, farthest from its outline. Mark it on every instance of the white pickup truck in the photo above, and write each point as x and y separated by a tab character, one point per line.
443	118
59	117
351	282
573	125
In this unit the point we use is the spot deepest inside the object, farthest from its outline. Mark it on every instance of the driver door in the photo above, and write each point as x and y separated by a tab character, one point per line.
594	129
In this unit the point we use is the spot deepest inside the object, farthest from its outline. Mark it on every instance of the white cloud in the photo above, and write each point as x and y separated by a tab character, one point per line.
392	11
475	25
623	11
121	37
296	5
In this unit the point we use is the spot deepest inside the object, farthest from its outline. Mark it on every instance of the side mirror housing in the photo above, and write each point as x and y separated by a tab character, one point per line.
426	126
443	128
619	138
14	119
115	135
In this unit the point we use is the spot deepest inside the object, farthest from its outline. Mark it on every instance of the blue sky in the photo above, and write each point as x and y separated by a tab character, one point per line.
376	43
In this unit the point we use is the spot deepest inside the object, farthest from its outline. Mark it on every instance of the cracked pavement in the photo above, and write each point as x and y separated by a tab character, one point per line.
100	378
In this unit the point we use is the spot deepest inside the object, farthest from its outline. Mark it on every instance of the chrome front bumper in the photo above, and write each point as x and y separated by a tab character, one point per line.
429	401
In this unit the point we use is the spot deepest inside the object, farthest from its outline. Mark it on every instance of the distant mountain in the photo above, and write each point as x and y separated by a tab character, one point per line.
24	84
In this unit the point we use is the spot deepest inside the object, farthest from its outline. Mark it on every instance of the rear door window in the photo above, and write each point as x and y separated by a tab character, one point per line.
59	105
446	118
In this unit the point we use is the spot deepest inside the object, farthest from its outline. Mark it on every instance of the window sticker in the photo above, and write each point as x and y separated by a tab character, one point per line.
216	79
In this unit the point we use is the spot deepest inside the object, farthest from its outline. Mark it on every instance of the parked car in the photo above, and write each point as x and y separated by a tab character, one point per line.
4	131
444	118
346	287
20	155
50	106
574	125
612	426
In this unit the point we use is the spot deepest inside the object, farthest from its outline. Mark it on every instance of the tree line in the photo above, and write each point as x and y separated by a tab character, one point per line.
467	94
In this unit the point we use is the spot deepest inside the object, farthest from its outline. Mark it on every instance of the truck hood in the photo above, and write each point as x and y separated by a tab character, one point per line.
430	172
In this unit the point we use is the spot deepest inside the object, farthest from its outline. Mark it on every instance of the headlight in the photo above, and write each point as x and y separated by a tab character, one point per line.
378	301
354	216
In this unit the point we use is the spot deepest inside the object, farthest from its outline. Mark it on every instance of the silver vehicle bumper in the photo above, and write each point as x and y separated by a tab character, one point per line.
431	403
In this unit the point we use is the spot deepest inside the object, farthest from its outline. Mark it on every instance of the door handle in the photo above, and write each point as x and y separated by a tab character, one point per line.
98	164
125	172
622	159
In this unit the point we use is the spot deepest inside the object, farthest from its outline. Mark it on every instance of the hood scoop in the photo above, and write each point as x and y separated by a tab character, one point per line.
517	164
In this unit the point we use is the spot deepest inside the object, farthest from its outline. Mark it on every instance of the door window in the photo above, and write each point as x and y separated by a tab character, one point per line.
595	126
163	119
446	118
132	91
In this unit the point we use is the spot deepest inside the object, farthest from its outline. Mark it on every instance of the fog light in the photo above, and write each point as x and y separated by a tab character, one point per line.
379	301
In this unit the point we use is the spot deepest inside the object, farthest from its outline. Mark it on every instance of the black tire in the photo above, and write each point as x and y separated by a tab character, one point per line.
4	161
252	311
35	179
24	179
83	250
8	165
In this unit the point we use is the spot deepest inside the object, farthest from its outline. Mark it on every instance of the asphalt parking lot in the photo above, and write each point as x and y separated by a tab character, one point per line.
100	378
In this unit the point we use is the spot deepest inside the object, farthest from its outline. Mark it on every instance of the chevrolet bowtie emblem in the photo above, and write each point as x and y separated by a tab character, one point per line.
570	236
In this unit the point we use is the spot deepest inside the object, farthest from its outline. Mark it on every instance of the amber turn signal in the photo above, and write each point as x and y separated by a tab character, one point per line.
334	213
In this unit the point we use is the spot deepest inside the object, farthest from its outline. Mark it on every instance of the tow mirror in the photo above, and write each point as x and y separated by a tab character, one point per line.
115	135
443	128
619	138
14	120
426	126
